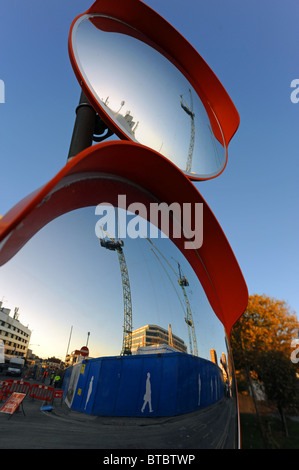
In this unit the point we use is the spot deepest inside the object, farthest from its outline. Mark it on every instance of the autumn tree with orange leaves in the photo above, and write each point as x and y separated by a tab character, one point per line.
261	342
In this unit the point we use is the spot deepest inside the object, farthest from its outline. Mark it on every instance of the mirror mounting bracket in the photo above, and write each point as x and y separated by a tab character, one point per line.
101	131
88	127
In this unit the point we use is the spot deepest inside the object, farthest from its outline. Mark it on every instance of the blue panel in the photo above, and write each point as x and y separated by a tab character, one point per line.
128	392
195	384
203	383
66	379
108	385
91	377
168	386
183	386
146	385
81	386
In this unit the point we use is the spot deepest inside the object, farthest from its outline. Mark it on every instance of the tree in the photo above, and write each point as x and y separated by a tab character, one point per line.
267	324
278	375
261	344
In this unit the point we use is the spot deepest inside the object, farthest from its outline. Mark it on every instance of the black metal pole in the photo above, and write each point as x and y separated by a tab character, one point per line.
84	127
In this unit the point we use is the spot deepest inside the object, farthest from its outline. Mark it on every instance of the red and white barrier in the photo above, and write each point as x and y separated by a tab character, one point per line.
35	391
41	392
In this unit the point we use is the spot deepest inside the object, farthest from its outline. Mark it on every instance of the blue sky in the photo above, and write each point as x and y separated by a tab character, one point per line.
252	46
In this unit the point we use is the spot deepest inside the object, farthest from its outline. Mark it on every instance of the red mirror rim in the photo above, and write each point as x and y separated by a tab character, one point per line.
157	32
158	180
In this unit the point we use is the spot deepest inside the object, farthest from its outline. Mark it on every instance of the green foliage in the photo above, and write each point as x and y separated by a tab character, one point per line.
251	436
261	345
278	374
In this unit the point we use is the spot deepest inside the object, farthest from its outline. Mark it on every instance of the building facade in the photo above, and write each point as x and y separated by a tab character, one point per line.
214	356
15	336
153	335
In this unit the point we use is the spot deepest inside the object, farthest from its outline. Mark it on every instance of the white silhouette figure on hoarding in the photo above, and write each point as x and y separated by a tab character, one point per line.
199	388
148	395
89	392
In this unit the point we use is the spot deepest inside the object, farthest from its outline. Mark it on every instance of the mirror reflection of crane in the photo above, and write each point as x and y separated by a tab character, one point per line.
183	282
117	245
189	111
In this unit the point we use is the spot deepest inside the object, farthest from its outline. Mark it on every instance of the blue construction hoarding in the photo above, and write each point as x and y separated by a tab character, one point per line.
143	385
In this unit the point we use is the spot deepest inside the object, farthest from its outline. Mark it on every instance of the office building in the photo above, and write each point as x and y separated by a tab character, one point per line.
153	335
214	356
15	336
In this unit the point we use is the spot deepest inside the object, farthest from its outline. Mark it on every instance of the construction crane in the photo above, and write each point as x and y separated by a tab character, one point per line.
183	282
117	246
189	111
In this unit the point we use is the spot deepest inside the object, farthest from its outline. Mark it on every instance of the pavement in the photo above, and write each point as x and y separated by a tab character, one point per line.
63	428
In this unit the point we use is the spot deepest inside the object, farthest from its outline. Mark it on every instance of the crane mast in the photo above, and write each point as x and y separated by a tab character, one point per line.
183	282
127	300
189	111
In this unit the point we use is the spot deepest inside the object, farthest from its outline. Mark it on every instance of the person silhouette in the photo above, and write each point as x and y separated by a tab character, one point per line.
199	389
89	392
148	395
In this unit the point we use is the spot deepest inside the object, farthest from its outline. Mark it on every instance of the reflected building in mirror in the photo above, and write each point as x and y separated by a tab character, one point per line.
15	336
214	356
153	338
223	366
124	120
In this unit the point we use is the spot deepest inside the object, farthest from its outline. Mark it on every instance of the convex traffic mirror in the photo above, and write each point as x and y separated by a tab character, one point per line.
151	87
60	264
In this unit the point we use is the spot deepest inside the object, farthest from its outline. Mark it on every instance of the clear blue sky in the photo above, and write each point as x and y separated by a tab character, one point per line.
252	46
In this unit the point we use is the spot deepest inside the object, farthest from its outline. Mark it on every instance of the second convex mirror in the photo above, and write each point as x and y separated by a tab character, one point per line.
68	280
143	97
